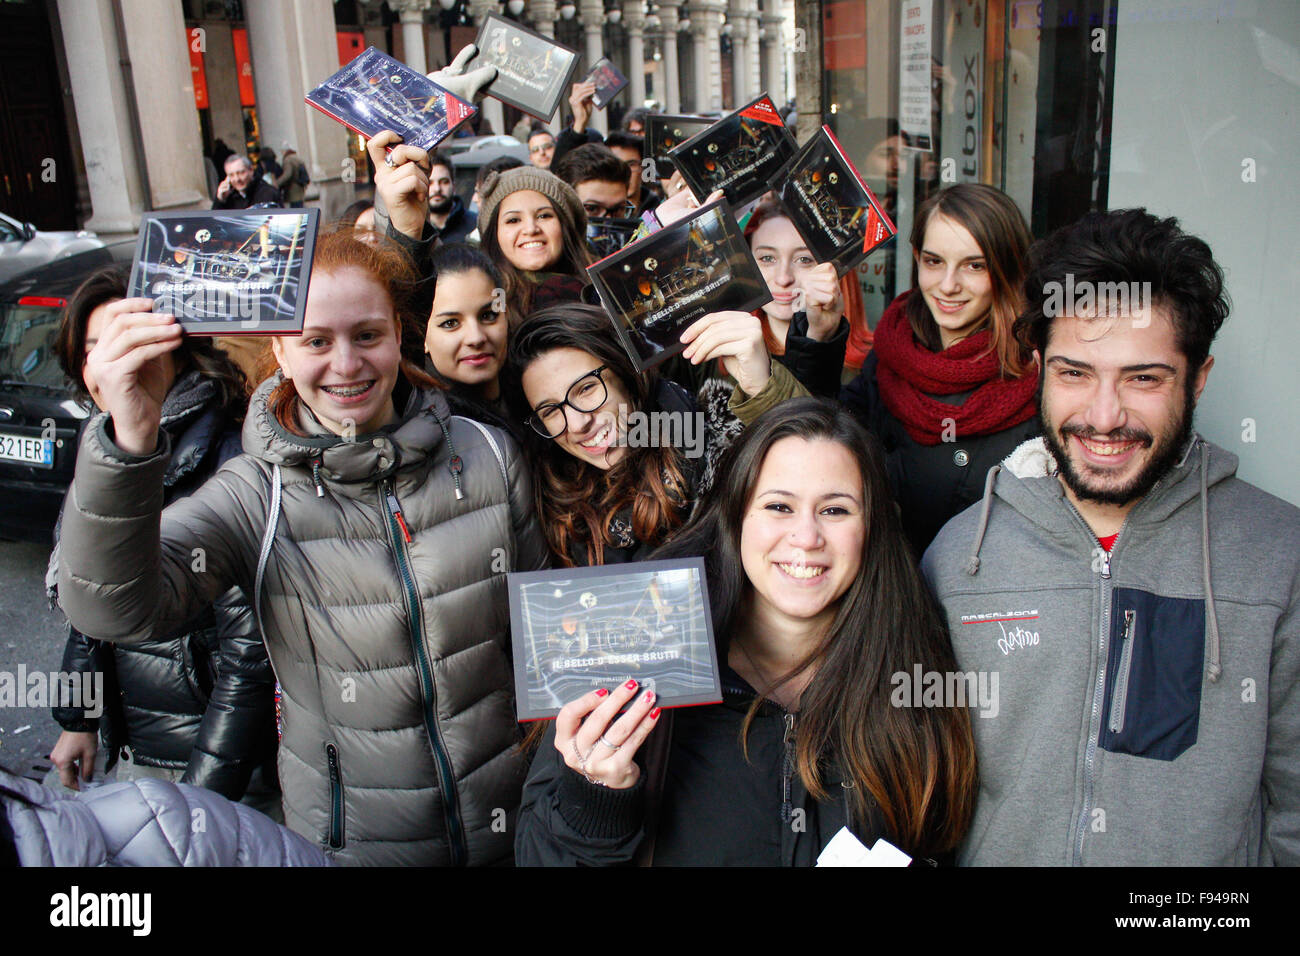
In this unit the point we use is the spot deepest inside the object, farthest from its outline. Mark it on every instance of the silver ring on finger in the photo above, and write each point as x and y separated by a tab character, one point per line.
388	161
609	745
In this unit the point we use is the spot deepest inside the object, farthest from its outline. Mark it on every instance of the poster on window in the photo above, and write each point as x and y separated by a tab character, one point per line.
914	74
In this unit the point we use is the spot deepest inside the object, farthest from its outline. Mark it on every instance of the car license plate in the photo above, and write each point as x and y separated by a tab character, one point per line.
28	449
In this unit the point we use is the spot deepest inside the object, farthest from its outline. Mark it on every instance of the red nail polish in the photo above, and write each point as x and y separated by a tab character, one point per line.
654	714
602	692
631	684
649	697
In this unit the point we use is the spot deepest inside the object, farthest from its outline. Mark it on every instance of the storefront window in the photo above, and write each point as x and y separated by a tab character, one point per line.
1012	93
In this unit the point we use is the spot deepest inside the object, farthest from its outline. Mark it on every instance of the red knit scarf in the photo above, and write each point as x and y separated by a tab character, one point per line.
910	375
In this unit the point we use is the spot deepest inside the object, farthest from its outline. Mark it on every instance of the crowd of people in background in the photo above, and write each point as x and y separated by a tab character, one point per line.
973	482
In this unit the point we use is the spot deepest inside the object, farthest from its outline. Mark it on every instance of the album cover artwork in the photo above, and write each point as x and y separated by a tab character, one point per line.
741	154
657	286
607	236
236	272
577	629
375	92
533	71
609	82
837	214
666	131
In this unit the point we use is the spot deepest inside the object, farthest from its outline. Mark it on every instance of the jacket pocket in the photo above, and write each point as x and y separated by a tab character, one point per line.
334	837
1154	671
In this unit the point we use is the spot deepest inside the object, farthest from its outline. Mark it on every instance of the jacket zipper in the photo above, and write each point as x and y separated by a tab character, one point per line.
336	798
450	798
1119	696
787	770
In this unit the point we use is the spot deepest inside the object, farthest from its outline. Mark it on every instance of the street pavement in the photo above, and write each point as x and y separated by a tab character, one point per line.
33	635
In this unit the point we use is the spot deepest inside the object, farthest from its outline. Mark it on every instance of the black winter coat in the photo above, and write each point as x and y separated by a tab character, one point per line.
201	700
932	483
698	802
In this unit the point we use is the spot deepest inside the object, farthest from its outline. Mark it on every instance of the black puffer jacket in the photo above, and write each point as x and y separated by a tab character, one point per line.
201	699
932	483
699	801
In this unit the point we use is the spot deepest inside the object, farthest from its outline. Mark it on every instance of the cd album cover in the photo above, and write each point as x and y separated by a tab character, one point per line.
838	216
533	72
657	286
741	154
576	629
609	82
664	131
227	273
375	92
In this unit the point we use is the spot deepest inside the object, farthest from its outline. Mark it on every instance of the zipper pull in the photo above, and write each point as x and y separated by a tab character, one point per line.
395	509
1105	563
315	477
456	466
1130	617
787	769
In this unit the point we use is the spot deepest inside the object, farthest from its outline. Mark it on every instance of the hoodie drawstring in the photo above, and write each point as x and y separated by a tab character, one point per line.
986	506
1214	670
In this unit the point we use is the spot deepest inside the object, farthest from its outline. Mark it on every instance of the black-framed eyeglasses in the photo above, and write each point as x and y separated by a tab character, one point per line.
586	394
623	210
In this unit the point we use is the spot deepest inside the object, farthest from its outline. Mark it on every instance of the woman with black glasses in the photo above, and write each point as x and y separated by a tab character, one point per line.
616	454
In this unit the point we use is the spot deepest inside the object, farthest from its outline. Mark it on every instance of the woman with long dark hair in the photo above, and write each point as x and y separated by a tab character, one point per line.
602	496
533	227
369	526
947	389
468	330
194	704
818	607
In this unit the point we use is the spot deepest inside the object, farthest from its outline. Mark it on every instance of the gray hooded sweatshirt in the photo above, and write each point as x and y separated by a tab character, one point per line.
1148	700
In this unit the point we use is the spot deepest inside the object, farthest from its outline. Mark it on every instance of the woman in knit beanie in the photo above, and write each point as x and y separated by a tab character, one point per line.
532	225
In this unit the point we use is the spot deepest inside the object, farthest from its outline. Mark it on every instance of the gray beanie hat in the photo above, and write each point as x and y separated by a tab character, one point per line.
500	184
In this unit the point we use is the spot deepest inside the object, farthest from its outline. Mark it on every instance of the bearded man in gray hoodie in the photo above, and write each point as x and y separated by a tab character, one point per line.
1138	603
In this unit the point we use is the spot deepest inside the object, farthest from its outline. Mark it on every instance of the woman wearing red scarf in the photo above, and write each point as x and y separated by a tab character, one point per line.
947	388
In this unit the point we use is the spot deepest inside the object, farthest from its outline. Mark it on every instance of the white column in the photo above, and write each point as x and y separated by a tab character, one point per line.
634	23
741	84
411	13
706	20
754	59
103	119
492	111
670	14
774	81
592	17
293	48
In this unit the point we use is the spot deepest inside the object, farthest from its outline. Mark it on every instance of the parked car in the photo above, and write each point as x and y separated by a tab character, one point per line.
471	153
23	247
40	419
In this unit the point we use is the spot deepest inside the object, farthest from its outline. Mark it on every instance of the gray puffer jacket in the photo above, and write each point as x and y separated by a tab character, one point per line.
144	823
382	590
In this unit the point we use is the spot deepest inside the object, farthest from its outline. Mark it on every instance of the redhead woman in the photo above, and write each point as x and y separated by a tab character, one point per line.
370	527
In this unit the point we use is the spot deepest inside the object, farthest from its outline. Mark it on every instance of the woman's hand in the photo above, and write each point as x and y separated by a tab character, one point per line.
599	744
134	374
823	302
582	102
74	755
680	203
404	185
737	339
